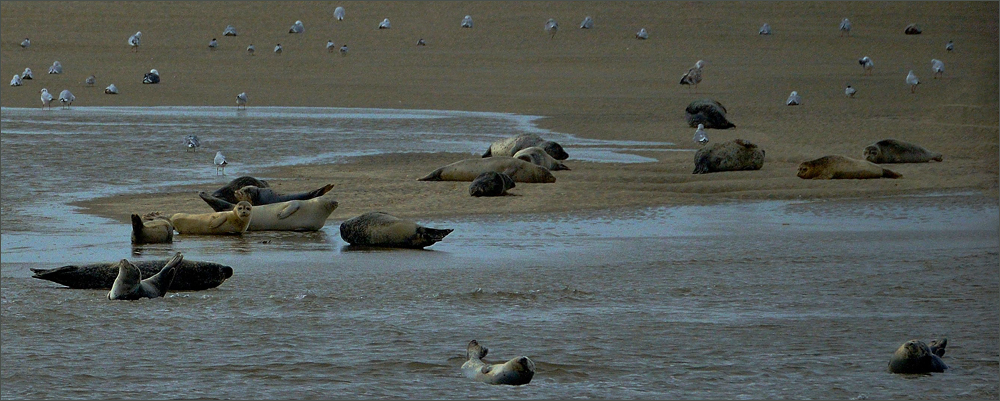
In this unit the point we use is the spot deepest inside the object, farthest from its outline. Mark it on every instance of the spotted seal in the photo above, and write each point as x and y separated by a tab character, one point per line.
896	151
732	155
915	356
708	112
510	146
293	215
235	221
384	230
129	284
515	372
835	167
191	275
152	228
469	169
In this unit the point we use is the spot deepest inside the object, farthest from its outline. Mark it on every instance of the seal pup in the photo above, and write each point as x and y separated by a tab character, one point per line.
915	356
896	151
232	222
130	286
228	192
539	156
515	372
708	112
152	228
380	229
836	167
469	169
733	155
511	145
292	215
191	275
491	183
263	196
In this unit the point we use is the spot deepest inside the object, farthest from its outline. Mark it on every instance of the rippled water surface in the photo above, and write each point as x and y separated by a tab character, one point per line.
735	301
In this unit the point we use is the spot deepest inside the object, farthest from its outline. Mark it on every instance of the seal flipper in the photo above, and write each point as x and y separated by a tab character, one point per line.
886	173
486	369
217	204
137	226
476	351
429	236
937	346
489	152
433	176
289	209
157	285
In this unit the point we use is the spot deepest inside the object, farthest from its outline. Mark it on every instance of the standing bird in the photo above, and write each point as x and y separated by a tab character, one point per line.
330	47
642	34
55	68
794	99
849	91
343	50
241	100
250	49
134	41
938	67
25	43
27	74
421	42
91	80
699	134
66	98
277	48
220	163
384	24
16	81
551	26
764	29
297	27
845	27
467	21
339	13
866	64
213	44
950	46
587	23
913	81
46	98
192	143
693	75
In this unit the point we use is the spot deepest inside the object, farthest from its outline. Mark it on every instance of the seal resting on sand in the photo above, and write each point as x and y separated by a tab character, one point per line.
510	146
733	155
235	221
840	167
385	230
264	196
228	192
190	275
129	284
515	372
152	228
470	169
293	215
539	156
708	112
491	183
916	357
895	151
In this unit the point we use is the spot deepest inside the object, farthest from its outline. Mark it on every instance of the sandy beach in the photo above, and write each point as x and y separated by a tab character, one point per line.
598	83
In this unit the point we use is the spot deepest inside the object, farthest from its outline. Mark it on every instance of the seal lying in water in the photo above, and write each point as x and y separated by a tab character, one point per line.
190	275
840	167
491	183
733	155
129	284
510	146
708	112
515	372
470	169
228	192
896	151
152	228
916	357
293	215
385	230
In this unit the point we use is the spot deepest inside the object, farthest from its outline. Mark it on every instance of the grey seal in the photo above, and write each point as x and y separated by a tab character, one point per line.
265	196
517	371
190	275
733	155
540	157
380	229
491	183
708	112
896	151
469	169
915	356
129	284
510	146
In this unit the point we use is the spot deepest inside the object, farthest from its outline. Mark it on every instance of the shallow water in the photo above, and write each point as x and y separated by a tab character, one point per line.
735	301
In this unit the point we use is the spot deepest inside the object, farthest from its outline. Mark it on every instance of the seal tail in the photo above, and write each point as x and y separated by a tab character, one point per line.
886	173
938	158
217	204
937	346
489	152
433	176
433	235
137	226
476	351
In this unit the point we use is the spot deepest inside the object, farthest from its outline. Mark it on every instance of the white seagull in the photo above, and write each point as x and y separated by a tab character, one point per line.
213	44
250	49
845	27
297	27
16	81
794	99
27	74
241	100
950	46
913	81
91	80
764	29
867	64
467	21
343	50
587	23
421	42
56	68
693	75
277	48
111	90
384	24
699	134
338	13
330	47
66	98
134	40
938	67
642	34
192	143
25	43
551	26
850	91
229	31
46	98
220	163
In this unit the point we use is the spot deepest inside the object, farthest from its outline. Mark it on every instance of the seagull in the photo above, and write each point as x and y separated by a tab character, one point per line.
27	74
330	47
151	77
46	98
642	34
950	46
343	50
192	142
699	134
421	42
213	44
220	162
764	29
66	98
229	31
16	81
693	75
111	90
339	13
467	21
134	40
551	26
794	99
91	80
25	43
850	91
938	67
250	49
913	81
845	27
277	48
297	28
56	68
587	23
867	64
241	100
384	24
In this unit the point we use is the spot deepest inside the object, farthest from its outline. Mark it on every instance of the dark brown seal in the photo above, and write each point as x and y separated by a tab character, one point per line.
733	155
491	183
835	167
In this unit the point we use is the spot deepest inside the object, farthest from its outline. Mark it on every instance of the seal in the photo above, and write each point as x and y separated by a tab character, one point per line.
152	228
130	286
916	357
510	146
539	156
491	183
235	221
264	196
896	151
708	112
228	192
293	215
384	230
191	275
469	169
733	155
836	167
515	372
